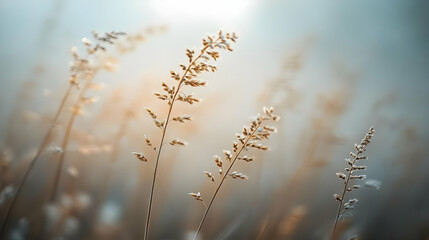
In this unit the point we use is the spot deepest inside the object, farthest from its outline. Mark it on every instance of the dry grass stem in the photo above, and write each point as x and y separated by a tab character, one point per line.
32	162
79	69
355	157
249	139
84	68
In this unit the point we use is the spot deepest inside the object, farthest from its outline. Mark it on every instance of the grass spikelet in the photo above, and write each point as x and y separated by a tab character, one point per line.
355	158
250	138
140	156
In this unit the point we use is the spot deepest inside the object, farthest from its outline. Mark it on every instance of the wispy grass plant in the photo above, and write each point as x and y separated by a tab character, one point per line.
355	157
250	138
81	69
198	62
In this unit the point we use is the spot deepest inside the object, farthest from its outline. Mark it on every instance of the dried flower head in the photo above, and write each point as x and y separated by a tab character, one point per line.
178	141
86	67
148	142
217	160
140	156
196	196
238	175
209	175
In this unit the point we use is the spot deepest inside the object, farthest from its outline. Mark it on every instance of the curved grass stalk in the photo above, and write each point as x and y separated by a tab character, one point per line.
218	188
66	138
90	71
342	207
248	140
33	161
80	67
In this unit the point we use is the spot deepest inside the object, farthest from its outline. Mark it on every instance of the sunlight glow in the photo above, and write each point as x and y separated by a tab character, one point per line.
219	10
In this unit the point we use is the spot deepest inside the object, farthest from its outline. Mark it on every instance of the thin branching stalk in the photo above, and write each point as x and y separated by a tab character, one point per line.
340	203
64	144
80	67
91	71
355	157
66	138
53	192
33	160
247	140
161	143
220	185
197	64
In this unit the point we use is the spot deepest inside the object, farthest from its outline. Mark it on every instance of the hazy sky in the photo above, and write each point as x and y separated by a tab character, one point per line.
383	43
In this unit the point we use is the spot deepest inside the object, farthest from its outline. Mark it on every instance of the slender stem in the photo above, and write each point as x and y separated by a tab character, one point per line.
53	192
146	233
66	139
33	161
340	204
155	171
204	203
223	179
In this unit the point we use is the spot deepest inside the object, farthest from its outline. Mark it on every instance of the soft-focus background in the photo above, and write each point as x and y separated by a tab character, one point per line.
331	69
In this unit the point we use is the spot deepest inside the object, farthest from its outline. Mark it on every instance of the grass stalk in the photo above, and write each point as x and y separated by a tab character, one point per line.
33	161
221	182
247	140
355	157
161	143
